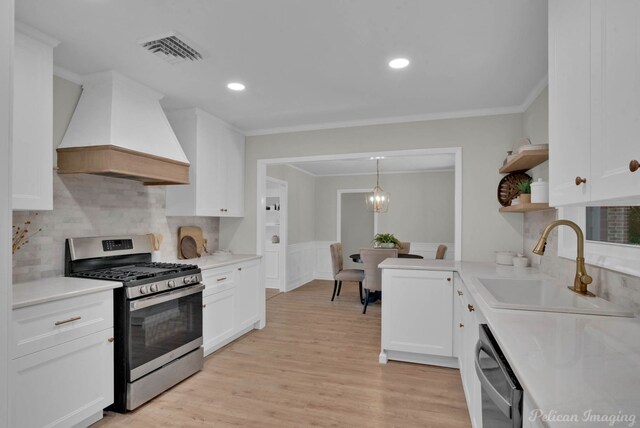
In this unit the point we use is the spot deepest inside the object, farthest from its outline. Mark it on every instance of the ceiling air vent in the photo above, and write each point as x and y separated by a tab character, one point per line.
171	47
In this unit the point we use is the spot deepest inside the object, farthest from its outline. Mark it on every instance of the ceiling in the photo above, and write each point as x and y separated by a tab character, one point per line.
388	165
313	64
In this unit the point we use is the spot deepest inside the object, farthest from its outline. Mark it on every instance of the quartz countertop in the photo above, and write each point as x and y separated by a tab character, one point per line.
219	260
57	288
568	364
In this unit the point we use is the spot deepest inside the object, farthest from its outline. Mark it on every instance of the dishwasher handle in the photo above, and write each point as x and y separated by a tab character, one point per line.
501	403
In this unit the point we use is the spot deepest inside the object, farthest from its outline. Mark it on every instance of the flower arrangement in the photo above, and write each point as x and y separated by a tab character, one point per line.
386	240
21	235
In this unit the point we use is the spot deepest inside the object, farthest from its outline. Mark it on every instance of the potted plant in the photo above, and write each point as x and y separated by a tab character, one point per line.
386	240
525	191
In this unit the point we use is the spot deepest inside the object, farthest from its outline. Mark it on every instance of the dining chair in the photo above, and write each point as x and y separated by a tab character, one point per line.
340	274
440	252
371	258
404	248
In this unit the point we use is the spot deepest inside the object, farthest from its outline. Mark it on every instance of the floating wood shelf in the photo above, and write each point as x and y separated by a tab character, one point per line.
525	161
523	208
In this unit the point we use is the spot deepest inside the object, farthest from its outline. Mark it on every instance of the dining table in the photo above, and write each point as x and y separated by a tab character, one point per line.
357	259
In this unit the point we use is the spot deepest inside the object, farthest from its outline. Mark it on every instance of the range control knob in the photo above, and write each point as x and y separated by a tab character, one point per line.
153	288
171	284
144	289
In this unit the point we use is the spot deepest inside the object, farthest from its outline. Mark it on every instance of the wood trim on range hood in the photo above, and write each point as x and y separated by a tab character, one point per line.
114	161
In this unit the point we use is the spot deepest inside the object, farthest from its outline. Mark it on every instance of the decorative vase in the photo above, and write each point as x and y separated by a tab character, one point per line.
525	198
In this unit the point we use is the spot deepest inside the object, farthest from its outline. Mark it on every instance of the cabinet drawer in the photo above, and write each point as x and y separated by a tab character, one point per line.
42	326
218	280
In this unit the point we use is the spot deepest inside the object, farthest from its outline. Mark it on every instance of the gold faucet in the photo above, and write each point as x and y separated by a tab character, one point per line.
582	279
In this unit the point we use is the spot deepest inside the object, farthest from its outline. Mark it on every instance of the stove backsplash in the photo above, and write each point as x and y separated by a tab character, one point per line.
615	287
89	205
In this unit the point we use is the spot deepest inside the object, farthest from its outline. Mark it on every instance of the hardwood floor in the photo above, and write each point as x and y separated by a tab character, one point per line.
271	292
315	364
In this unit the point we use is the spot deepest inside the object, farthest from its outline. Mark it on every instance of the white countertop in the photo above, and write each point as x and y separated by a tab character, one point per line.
219	260
57	288
567	363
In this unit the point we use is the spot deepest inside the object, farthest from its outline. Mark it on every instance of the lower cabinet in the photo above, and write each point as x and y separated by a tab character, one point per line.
468	325
218	319
67	383
233	302
417	316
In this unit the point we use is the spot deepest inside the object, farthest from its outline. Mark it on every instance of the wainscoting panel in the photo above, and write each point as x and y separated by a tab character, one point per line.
312	260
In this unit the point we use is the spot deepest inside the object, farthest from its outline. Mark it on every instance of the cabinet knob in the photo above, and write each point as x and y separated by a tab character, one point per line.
110	340
461	325
580	180
449	279
204	306
240	268
634	165
470	307
459	293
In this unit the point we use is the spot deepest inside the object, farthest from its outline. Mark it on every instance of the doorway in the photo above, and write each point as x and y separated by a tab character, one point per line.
275	235
357	224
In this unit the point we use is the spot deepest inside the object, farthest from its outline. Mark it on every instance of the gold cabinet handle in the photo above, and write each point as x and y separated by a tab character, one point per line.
221	279
470	307
459	293
634	165
461	325
111	339
68	321
580	180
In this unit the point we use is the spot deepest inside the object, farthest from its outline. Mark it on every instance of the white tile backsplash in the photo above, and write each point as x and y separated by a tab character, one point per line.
90	205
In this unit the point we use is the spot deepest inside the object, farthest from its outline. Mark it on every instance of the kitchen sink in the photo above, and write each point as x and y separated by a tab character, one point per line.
544	296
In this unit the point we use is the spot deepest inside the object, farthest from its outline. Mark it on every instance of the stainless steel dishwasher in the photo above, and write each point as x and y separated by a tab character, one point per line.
501	391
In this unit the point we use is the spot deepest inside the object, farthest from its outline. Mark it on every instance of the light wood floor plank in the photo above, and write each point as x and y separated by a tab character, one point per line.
315	364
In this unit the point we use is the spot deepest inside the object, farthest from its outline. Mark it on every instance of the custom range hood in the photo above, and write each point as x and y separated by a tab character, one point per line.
119	130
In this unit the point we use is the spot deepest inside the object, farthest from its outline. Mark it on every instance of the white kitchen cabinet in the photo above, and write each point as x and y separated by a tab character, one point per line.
218	319
569	98
63	385
247	296
32	120
216	174
615	99
470	335
417	316
594	108
62	369
233	303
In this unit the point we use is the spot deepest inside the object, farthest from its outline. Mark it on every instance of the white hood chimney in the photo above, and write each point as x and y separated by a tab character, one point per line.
119	129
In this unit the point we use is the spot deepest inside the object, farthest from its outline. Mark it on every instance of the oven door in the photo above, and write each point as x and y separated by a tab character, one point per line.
162	328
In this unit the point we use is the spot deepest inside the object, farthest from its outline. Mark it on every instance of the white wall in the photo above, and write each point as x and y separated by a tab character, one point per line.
6	103
484	141
421	210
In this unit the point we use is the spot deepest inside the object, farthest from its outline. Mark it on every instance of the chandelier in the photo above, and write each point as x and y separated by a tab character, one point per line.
377	200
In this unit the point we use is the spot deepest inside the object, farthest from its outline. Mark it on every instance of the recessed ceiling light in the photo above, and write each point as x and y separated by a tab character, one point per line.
398	63
236	86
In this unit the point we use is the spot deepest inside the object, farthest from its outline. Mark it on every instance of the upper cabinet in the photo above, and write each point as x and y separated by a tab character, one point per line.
216	152
594	101
32	120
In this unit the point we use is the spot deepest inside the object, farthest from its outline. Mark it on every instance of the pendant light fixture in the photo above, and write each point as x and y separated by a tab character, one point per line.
378	200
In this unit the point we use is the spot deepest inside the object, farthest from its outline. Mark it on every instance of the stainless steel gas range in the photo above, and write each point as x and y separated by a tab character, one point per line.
157	313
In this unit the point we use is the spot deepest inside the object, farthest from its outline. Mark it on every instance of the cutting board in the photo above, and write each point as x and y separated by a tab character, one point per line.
196	233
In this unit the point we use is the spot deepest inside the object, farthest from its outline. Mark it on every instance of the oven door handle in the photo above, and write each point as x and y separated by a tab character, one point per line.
165	297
